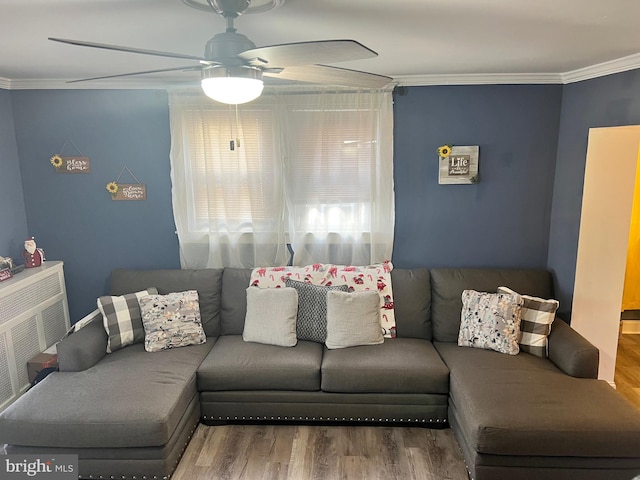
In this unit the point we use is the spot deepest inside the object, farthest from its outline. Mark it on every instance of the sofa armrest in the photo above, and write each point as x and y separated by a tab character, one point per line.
571	352
83	348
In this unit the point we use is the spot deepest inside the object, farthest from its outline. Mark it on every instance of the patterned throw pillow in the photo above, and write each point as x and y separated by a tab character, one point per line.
171	321
358	278
490	321
353	319
311	323
271	316
122	319
535	325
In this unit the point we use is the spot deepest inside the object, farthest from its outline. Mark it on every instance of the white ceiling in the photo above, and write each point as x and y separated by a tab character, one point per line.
416	39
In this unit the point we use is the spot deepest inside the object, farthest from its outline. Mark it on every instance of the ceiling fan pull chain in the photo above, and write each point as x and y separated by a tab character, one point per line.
237	127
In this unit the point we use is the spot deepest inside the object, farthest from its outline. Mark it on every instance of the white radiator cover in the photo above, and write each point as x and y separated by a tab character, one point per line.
34	315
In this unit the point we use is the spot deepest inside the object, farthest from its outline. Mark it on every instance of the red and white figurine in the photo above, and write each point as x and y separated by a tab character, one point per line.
33	256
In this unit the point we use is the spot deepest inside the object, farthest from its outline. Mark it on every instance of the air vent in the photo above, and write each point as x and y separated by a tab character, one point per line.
22	300
33	315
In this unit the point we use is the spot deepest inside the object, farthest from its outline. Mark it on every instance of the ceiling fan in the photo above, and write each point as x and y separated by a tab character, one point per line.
232	68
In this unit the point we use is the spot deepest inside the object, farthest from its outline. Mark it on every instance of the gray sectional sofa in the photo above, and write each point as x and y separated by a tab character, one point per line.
130	414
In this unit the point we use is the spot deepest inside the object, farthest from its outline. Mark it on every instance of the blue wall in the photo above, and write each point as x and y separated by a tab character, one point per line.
504	219
13	218
608	101
72	216
508	219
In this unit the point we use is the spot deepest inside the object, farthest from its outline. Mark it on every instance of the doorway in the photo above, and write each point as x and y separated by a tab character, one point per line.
610	174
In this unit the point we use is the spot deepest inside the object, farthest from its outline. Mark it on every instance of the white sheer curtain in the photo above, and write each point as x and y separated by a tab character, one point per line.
311	169
228	203
339	176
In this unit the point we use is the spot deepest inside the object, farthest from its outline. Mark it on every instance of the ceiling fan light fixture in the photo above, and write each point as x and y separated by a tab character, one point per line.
232	85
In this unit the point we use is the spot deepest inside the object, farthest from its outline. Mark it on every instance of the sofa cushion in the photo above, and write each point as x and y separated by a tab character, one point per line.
523	405
234	300
171	321
131	398
206	281
311	323
447	285
238	365
271	316
122	318
399	365
412	302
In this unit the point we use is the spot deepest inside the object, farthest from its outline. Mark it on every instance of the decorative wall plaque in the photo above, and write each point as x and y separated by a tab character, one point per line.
127	191
79	164
131	191
458	165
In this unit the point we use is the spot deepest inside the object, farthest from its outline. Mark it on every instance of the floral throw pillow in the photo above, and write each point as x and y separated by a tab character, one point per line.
171	321
490	321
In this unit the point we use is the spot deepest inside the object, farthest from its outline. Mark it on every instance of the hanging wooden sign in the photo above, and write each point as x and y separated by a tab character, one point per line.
62	164
74	165
127	191
130	191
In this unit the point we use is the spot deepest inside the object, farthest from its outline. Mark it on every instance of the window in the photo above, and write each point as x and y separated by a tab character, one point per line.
311	170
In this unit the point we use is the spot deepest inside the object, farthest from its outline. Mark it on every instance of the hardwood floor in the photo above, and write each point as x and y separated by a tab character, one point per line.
289	452
627	376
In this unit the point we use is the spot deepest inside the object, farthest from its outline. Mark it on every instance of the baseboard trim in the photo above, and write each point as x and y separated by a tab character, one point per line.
630	327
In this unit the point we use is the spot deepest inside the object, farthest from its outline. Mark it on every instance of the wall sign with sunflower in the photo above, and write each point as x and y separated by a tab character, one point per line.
127	191
458	165
62	164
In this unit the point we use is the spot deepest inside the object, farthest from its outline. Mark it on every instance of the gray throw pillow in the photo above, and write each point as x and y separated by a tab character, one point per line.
122	319
271	316
312	309
353	319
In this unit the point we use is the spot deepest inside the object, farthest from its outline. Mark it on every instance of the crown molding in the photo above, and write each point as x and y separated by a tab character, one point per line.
478	79
5	83
619	65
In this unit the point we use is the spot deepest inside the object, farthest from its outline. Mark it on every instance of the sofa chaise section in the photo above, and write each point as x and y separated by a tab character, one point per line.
133	408
520	417
128	414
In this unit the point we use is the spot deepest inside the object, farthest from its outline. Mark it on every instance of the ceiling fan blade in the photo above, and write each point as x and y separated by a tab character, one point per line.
305	53
126	49
332	76
190	67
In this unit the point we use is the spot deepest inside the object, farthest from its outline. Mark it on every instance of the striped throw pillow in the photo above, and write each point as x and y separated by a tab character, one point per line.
536	317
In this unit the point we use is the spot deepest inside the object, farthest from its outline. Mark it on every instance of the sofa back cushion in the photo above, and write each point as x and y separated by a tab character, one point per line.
207	281
234	300
448	284
412	299
411	292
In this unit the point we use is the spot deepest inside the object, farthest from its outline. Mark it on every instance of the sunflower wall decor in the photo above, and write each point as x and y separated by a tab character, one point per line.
80	164
112	188
458	165
127	191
